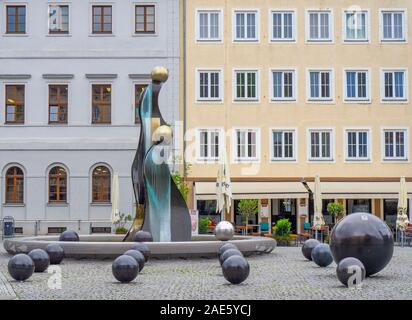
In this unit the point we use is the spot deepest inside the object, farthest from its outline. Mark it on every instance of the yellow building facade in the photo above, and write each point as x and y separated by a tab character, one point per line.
290	89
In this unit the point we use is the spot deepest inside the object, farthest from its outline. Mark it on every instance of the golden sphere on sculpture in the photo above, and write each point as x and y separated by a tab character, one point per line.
164	133
160	74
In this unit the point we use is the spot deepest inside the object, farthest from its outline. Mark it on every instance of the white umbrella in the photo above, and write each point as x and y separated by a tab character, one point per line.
318	220
223	187
402	220
115	199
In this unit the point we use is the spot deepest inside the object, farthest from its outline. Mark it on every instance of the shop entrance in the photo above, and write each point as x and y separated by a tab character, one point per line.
284	209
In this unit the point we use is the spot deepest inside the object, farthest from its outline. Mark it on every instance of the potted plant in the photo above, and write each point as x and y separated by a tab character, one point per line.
120	224
248	208
282	231
204	225
336	210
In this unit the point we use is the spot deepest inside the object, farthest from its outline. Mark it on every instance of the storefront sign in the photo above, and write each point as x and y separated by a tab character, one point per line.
194	217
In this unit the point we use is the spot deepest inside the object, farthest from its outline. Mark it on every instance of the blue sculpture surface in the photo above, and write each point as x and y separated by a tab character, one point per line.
69	236
236	269
41	260
225	247
365	237
308	246
21	267
144	249
161	209
55	252
351	272
321	255
138	256
125	269
229	253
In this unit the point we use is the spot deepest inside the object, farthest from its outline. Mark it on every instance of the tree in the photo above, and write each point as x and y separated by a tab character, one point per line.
336	210
246	208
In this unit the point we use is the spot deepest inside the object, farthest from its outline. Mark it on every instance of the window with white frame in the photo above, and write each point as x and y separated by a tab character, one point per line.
320	85
246	85
395	144
320	145
245	26
357	145
356	85
246	144
394	85
283	144
58	19
356	26
283	26
320	26
283	85
208	144
208	25
209	85
393	25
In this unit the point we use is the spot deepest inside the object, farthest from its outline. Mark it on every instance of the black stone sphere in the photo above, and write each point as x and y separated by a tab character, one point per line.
69	236
21	267
321	255
143	236
55	252
351	272
365	237
138	256
125	269
144	249
225	247
308	246
235	269
229	253
41	260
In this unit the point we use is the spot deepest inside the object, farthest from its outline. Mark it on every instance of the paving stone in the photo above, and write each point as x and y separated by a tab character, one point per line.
283	274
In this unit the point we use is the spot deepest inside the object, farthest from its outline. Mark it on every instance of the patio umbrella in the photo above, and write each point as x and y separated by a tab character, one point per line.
402	220
318	220
115	199
224	188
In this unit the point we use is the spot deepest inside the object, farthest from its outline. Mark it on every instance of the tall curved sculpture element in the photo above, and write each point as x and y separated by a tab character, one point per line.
161	209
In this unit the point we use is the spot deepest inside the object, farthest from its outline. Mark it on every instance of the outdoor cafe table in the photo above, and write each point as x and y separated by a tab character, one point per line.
322	230
244	229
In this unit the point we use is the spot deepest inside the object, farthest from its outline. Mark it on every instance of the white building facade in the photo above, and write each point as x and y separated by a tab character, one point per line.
70	75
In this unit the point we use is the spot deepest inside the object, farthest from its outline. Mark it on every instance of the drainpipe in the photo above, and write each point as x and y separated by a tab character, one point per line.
184	86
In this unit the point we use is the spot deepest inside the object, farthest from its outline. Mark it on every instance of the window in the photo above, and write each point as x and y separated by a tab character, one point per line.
101	185
15	104
14	186
102	19
209	85
16	19
393	26
283	26
209	144
357	145
208	26
394	85
101	103
283	85
59	19
356	26
246	144
320	145
283	145
145	19
320	26
58	101
57	185
357	85
138	90
246	85
395	145
246	26
320	85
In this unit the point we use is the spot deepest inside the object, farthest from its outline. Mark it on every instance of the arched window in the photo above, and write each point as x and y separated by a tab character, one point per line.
57	185
101	184
14	185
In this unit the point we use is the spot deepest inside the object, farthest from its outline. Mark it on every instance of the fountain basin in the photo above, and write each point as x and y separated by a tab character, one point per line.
111	246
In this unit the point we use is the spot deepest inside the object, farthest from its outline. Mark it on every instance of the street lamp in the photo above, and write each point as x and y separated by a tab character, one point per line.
311	200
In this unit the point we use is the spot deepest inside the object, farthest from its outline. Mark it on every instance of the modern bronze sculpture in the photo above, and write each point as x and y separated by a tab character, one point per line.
161	209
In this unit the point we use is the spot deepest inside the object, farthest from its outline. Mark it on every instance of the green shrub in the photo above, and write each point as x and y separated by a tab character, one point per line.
120	230
282	228
204	225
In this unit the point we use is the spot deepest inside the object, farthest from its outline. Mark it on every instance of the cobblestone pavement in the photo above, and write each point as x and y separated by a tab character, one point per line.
284	274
